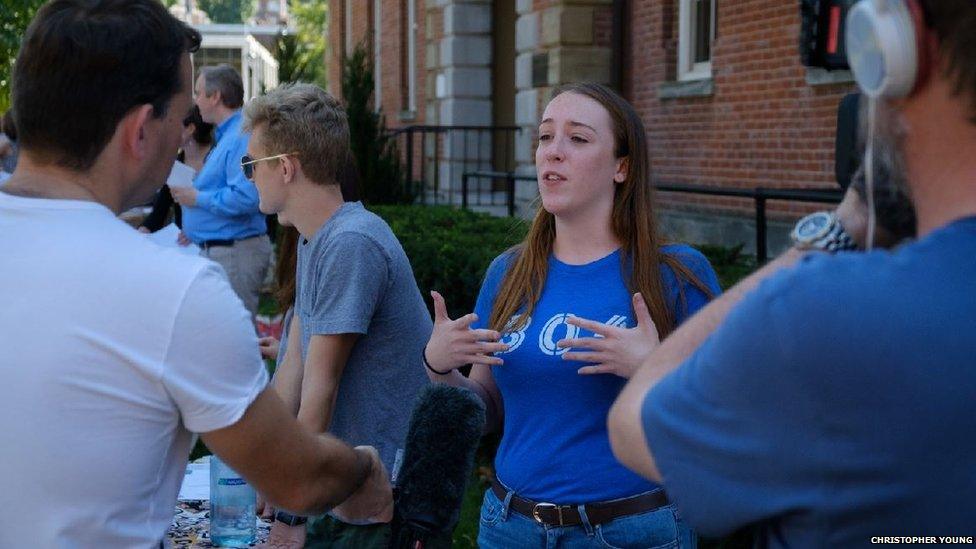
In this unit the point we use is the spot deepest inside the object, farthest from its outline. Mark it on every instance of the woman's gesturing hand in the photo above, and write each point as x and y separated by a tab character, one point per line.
453	343
618	351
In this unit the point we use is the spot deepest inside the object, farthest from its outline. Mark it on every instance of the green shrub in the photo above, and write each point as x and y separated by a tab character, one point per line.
450	249
730	264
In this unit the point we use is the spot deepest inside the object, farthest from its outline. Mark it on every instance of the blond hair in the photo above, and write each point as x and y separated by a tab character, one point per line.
305	120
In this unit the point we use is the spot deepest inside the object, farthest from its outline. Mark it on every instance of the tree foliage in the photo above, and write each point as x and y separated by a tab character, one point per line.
310	19
377	157
227	11
301	52
17	14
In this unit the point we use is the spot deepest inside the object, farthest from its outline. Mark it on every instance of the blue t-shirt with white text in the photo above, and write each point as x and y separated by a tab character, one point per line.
555	446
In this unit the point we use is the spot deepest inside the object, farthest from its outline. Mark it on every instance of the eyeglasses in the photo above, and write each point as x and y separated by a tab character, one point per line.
247	163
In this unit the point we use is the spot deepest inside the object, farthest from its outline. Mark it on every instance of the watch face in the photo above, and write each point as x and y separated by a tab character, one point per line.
813	226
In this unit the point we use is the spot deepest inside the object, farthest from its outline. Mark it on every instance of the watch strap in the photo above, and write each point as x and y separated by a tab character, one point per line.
836	239
289	519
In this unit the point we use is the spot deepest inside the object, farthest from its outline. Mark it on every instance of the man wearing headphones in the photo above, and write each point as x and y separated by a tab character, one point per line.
827	400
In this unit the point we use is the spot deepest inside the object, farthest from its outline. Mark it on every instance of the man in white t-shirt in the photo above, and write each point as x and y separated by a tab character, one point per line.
115	350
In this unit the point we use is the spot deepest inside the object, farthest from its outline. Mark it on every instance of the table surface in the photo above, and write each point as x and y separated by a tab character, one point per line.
191	526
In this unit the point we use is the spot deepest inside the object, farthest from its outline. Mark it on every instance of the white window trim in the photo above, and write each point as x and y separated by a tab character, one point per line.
686	69
377	55
411	56
347	21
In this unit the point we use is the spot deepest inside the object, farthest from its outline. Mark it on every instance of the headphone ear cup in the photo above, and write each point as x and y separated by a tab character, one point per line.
883	46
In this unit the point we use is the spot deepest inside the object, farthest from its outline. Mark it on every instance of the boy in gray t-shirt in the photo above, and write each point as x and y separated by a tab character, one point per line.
361	320
354	278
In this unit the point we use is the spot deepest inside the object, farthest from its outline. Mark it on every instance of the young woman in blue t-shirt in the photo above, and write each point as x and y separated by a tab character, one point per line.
562	320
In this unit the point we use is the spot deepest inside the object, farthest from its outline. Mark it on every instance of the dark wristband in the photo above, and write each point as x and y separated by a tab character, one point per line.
289	519
423	355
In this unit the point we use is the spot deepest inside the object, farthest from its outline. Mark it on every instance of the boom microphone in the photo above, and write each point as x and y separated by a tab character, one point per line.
444	433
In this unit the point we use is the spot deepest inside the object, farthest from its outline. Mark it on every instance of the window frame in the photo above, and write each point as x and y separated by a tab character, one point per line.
687	69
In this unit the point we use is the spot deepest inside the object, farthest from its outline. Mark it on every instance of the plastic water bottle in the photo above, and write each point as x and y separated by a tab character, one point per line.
232	506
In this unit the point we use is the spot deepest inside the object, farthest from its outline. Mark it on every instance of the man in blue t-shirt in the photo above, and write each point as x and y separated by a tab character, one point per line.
827	400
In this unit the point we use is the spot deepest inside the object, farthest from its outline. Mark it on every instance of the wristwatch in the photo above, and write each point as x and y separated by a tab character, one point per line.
822	231
289	519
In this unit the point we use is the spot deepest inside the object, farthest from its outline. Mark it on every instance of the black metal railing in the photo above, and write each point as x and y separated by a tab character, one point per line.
759	195
509	178
435	157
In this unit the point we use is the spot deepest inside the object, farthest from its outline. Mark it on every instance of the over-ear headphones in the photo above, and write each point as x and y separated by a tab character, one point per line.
885	46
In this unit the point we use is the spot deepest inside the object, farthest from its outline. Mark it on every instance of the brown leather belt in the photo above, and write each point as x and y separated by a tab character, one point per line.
550	514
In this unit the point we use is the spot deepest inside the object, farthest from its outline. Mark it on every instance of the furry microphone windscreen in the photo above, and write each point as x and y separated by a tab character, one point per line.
442	439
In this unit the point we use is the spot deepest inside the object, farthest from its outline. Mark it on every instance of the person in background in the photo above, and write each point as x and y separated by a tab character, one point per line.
197	143
107	372
827	399
220	210
561	322
8	145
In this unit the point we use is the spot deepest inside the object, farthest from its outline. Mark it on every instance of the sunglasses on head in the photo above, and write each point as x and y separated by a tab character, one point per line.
247	163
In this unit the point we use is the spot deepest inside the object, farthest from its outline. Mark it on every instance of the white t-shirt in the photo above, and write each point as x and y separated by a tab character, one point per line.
112	351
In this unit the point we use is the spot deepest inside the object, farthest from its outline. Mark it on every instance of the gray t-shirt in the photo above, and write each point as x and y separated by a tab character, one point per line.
354	277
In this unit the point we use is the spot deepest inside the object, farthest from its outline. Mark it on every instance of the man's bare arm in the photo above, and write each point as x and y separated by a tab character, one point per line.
316	472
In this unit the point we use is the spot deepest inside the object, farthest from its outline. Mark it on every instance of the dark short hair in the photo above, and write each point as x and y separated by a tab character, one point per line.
202	131
85	64
224	79
954	23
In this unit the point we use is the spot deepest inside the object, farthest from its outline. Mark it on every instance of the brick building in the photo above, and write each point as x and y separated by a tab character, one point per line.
718	84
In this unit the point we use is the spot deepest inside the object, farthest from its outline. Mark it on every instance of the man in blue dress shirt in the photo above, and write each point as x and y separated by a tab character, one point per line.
221	209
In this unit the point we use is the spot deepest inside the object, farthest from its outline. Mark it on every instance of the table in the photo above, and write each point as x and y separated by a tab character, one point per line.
191	526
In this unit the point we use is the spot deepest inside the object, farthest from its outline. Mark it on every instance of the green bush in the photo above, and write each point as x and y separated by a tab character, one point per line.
730	264
450	249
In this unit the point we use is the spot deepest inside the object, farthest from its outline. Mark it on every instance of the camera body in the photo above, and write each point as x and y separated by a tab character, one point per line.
822	42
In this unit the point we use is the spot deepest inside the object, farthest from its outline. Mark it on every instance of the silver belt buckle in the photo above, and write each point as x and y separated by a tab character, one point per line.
535	512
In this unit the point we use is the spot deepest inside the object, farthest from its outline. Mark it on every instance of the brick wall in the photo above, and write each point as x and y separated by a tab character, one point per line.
763	125
393	51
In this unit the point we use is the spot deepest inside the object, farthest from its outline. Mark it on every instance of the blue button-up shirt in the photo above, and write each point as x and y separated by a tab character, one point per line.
227	203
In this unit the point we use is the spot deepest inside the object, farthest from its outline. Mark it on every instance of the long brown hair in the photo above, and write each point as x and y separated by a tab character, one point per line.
632	222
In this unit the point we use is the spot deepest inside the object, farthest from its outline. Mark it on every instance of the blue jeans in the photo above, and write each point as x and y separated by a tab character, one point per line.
503	528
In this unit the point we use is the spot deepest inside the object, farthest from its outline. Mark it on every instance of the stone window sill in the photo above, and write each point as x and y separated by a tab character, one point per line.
823	77
688	88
